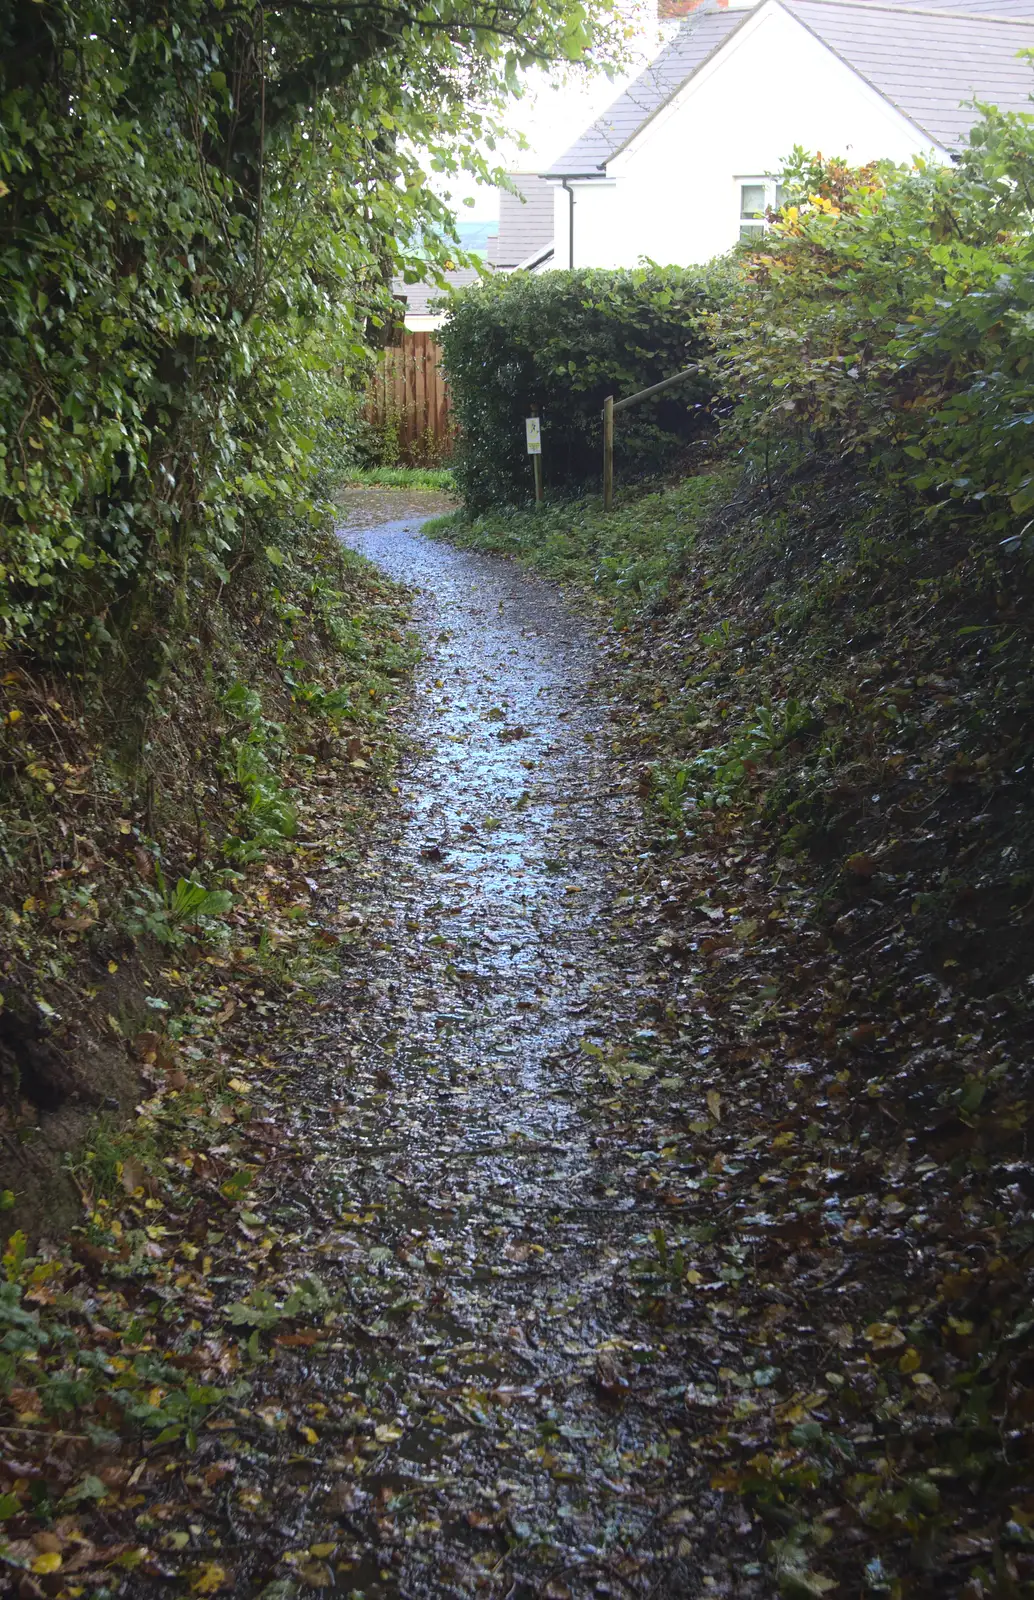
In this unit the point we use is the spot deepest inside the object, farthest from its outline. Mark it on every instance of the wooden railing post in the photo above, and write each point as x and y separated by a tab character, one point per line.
609	408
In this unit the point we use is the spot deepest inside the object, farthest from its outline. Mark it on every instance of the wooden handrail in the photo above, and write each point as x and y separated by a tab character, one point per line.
610	406
655	388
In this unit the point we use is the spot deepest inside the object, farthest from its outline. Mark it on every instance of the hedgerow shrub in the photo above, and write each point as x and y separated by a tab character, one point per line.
889	314
557	345
201	209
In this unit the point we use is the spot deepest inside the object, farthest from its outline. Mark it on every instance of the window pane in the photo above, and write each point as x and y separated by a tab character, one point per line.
780	199
751	231
752	199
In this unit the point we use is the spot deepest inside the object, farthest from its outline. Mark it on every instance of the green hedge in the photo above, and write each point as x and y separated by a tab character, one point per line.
558	344
890	316
201	208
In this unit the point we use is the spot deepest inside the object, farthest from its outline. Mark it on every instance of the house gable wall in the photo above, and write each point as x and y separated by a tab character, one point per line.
675	194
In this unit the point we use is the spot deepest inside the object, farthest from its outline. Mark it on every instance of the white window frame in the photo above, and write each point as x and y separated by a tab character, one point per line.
754	224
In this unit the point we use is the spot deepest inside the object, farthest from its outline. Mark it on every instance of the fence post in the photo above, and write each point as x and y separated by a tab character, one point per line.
608	453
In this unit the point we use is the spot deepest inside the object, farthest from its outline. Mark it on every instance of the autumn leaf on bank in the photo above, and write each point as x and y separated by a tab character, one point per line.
209	1579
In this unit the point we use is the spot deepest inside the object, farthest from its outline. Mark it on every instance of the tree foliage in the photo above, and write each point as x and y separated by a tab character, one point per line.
557	345
201	207
889	313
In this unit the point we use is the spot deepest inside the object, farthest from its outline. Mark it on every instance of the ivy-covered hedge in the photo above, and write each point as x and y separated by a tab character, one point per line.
202	207
558	344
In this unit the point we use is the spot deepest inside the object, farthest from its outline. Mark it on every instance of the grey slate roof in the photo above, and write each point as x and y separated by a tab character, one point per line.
925	59
1010	9
420	297
697	39
525	226
927	64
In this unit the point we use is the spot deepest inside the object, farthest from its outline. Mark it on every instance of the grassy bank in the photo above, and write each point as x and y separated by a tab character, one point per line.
797	644
826	707
161	913
154	859
626	560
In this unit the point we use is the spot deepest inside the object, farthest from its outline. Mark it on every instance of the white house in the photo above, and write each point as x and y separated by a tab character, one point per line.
689	156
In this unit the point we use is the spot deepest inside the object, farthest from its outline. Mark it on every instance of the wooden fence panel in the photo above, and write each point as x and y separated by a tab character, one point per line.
409	393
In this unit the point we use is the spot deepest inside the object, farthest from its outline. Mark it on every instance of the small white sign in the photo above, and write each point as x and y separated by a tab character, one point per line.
533	428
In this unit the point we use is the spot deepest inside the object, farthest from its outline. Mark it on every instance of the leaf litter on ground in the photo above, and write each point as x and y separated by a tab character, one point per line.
566	1245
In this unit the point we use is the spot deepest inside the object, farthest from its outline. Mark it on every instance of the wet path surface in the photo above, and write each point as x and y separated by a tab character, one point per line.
495	1435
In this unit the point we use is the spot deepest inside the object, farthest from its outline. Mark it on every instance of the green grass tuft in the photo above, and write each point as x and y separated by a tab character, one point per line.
439	478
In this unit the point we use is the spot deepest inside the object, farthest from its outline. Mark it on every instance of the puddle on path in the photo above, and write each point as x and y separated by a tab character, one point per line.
489	1382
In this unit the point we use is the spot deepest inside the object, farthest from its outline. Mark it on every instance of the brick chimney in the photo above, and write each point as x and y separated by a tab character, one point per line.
672	10
669	11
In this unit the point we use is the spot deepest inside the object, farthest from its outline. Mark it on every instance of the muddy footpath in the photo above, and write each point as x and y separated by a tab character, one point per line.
579	1216
507	1408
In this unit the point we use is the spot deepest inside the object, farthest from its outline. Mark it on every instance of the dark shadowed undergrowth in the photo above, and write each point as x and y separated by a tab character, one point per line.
143	851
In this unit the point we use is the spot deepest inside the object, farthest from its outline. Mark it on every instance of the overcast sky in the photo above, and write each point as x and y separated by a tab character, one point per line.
557	108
